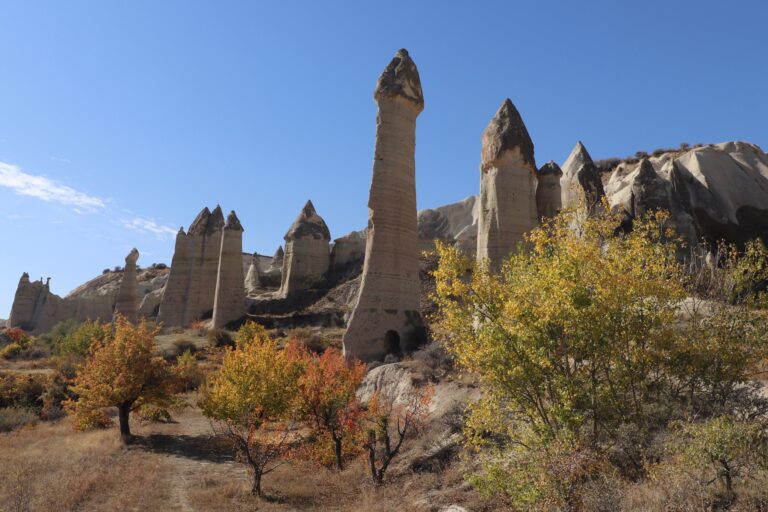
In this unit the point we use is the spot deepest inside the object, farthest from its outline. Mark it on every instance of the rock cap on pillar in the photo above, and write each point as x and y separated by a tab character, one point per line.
400	80
550	168
308	225
581	180
233	223
505	132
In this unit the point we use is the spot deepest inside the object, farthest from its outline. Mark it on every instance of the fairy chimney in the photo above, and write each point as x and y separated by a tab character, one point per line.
387	318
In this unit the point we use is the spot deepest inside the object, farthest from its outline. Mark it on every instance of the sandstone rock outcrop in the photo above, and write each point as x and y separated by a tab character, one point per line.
307	252
127	303
191	287
229	299
454	223
581	184
37	310
548	200
507	186
348	248
252	279
387	317
714	192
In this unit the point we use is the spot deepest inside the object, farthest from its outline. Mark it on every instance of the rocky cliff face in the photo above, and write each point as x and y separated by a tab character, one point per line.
714	192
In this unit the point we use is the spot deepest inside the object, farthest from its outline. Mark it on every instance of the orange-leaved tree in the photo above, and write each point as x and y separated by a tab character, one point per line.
326	397
122	371
250	400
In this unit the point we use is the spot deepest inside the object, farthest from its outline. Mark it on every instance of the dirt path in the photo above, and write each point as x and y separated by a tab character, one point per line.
190	455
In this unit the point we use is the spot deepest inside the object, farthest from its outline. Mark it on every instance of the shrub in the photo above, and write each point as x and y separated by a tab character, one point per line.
725	450
182	346
249	332
12	418
187	372
200	326
72	339
154	414
220	338
11	351
581	338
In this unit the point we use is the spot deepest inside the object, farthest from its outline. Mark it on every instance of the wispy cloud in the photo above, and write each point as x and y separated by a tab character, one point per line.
12	177
148	226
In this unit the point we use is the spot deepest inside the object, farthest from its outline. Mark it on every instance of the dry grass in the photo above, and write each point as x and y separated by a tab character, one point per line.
50	467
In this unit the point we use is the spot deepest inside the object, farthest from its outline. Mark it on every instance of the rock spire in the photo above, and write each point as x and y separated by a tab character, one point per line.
387	318
127	302
548	200
229	298
507	186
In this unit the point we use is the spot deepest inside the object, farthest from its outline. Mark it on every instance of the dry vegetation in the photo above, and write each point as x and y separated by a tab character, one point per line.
179	466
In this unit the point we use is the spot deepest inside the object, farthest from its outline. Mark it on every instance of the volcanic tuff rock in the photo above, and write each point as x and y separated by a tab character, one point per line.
548	200
580	184
507	186
454	223
127	303
307	252
348	248
252	280
713	192
37	310
229	298
191	287
387	315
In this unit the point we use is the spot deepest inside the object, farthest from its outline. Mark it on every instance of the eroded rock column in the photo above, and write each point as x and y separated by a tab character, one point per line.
229	300
387	318
580	185
507	186
548	200
307	252
127	302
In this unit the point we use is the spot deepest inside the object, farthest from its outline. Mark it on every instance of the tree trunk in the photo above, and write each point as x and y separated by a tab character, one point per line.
125	428
256	489
337	450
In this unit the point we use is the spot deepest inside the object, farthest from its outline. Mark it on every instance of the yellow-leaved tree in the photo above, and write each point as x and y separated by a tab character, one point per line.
250	400
123	370
586	348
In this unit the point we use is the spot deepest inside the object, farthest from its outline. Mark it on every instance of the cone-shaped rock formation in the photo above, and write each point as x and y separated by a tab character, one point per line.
307	252
507	186
229	299
580	184
191	287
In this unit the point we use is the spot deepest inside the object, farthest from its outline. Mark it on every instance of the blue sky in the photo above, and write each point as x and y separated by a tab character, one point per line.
119	121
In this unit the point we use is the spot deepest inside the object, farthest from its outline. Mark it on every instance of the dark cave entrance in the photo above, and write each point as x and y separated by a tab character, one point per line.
392	342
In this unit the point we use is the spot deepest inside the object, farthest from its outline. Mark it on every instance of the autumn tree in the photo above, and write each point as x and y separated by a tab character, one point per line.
250	401
326	397
582	340
123	371
387	424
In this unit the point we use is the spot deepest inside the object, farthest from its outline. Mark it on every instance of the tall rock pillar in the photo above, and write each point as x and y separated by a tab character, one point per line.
507	186
127	302
387	318
229	301
548	200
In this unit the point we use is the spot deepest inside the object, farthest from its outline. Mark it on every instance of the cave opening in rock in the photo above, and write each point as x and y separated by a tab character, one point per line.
392	342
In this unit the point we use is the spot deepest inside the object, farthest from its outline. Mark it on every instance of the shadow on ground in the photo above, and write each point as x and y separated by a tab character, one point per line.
203	447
